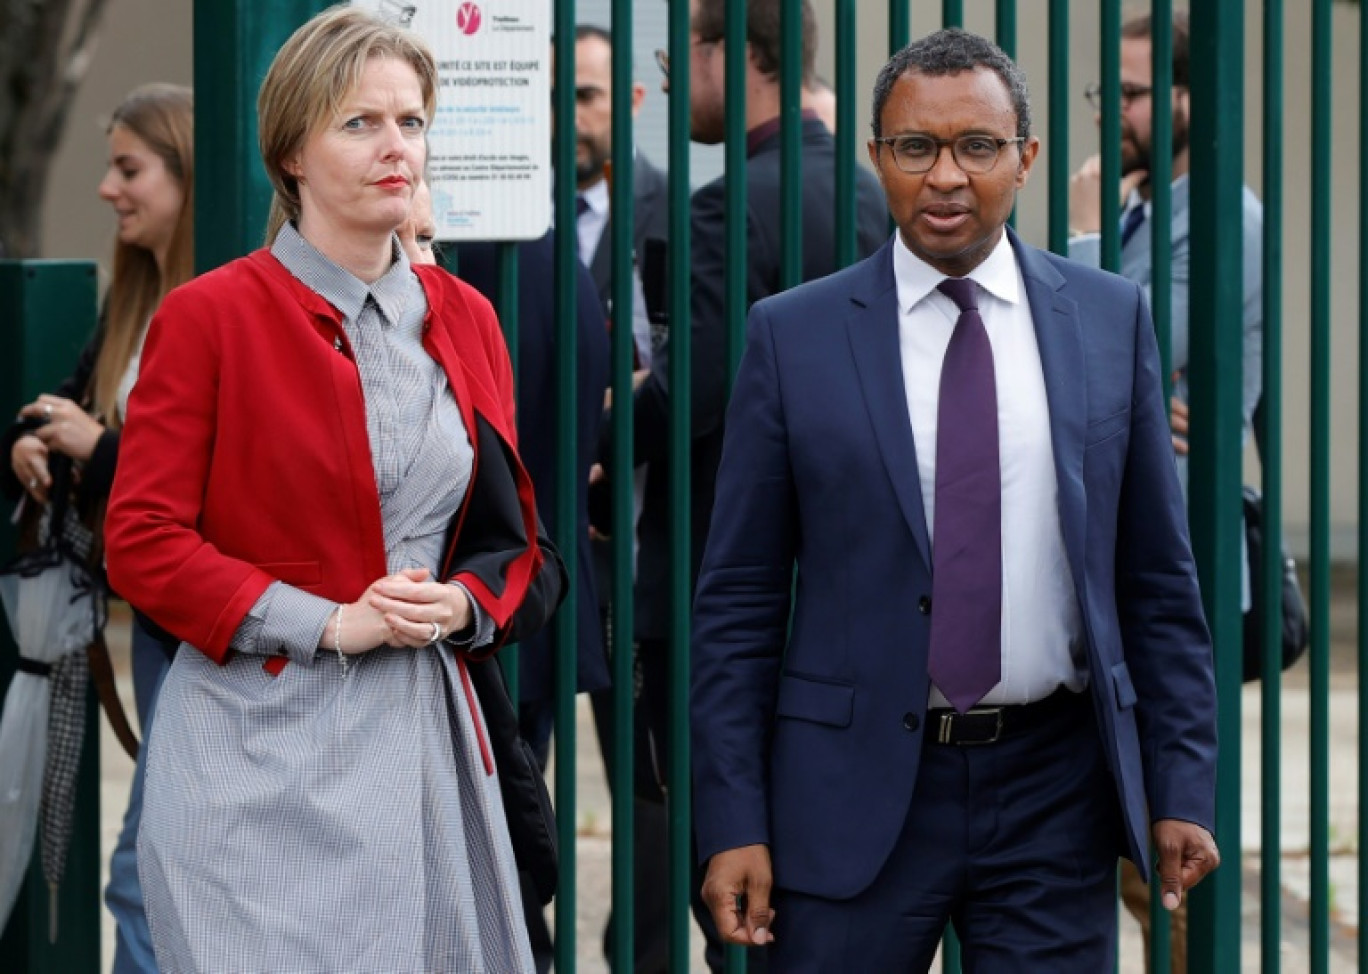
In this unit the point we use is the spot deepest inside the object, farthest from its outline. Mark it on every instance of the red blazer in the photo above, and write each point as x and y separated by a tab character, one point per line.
245	459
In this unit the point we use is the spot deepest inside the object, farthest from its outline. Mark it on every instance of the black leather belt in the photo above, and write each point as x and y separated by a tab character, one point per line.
986	725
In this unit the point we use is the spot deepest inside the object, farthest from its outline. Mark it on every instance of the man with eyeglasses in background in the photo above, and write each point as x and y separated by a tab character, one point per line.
992	675
1137	114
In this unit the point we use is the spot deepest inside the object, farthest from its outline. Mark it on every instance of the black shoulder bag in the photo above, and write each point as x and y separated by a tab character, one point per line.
1295	627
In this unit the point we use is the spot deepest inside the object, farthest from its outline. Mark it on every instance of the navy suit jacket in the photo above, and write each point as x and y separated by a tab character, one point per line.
477	265
808	739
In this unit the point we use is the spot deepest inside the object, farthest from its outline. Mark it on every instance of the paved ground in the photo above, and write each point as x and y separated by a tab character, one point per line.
595	815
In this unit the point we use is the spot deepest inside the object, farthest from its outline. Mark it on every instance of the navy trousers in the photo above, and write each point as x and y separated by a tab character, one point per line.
1014	842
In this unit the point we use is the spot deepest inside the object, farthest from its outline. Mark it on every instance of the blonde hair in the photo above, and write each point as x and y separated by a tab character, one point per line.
312	74
162	116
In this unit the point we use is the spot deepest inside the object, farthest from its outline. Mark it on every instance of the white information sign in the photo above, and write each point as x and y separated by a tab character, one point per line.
489	148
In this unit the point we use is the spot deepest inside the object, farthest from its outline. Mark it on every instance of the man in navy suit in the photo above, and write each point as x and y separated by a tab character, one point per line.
970	730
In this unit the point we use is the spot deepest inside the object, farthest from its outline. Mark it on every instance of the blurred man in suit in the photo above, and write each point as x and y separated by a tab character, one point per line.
707	285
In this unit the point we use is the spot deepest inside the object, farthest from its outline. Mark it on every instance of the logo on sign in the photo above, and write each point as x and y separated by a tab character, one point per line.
468	18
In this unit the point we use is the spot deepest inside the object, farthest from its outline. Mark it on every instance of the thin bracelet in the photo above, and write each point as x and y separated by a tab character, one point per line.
337	640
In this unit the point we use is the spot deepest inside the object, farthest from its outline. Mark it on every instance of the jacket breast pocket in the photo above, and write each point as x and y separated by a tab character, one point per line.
819	701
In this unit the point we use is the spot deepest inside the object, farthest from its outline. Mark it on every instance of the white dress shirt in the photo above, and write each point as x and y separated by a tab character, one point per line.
592	222
1042	645
590	225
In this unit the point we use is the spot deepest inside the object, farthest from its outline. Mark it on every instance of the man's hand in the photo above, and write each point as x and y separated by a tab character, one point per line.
737	891
1178	423
1187	852
1085	194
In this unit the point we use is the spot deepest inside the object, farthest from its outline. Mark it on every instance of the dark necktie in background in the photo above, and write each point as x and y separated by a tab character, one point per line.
966	550
1131	222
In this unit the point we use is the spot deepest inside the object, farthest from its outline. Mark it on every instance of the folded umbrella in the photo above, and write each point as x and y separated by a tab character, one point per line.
53	606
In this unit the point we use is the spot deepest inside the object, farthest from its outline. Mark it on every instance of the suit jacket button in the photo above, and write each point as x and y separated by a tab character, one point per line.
911	721
924	605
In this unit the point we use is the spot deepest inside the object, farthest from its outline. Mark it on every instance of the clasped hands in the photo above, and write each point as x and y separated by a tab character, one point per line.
399	610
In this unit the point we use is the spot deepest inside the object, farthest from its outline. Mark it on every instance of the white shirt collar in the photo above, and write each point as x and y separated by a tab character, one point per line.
597	197
916	278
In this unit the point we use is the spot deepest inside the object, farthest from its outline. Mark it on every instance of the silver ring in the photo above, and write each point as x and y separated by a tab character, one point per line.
436	634
47	411
33	482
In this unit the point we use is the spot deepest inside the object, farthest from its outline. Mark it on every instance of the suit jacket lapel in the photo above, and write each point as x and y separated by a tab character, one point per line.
1059	335
873	333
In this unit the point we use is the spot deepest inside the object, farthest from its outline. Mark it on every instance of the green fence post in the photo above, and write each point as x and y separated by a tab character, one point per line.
1321	259
790	144
1161	302
1363	468
47	313
1271	456
623	527
567	341
846	143
1111	133
681	469
235	41
1058	156
1217	55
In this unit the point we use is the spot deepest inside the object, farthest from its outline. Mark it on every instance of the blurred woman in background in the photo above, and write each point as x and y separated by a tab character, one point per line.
69	440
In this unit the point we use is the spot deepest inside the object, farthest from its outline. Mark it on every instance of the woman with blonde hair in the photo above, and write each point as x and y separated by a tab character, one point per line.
347	526
68	442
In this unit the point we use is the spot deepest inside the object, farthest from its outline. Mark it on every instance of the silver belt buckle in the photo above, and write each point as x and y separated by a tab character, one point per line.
947	723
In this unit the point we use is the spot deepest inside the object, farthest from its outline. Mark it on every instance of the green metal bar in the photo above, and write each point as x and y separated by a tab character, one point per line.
234	43
1005	28
1161	303
1005	25
1321	258
47	313
736	186
952	959
680	826
1111	133
508	319
1161	183
790	143
737	251
623	196
952	13
899	25
1271	457
1058	156
846	126
1217	56
566	271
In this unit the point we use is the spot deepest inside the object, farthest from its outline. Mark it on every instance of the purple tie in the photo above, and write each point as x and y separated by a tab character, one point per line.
966	577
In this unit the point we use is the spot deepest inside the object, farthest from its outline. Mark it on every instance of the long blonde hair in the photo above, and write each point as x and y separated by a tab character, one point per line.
312	74
162	116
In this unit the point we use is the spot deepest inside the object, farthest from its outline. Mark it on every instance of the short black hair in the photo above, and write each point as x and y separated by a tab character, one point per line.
1141	28
952	51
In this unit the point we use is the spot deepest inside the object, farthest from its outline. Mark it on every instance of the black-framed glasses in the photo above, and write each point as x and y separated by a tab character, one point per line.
1129	93
975	154
662	56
